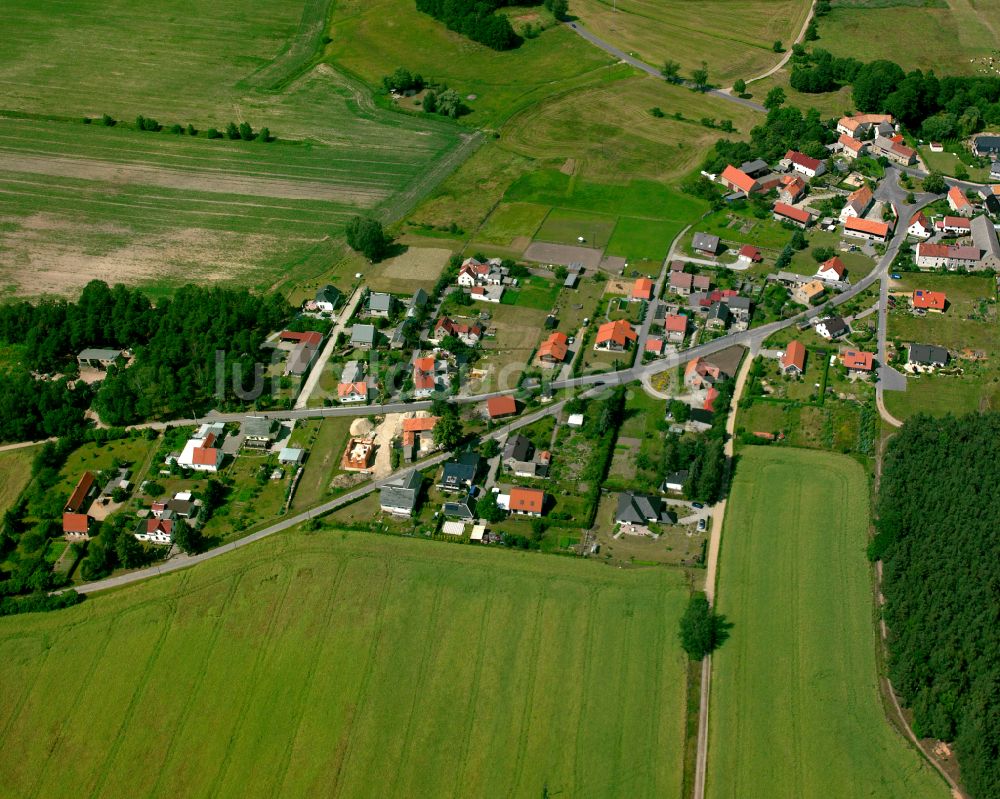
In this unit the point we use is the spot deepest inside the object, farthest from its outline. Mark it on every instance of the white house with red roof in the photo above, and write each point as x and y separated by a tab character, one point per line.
851	147
737	180
202	454
675	327
832	270
958	202
954	226
352	392
929	300
858	203
802	163
783	212
869	229
894	149
791	188
468	334
750	254
615	336
920	226
858	361
428	375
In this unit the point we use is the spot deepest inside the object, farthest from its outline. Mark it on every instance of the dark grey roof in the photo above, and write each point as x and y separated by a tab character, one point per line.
329	293
462	509
835	325
757	165
705	241
927	354
420	298
640	509
677	478
258	427
702	416
984	234
720	311
740	303
380	302
301	357
988	144
402	491
461	471
517	448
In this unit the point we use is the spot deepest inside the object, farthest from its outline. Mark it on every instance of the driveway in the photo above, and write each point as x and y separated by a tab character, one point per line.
312	379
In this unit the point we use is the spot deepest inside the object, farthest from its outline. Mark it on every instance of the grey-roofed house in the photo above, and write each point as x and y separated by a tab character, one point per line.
518	448
987	145
641	509
923	356
740	307
290	456
832	327
520	457
984	236
301	358
258	432
705	243
675	480
353	372
461	508
98	357
719	316
328	298
459	474
399	495
756	168
380	304
363	337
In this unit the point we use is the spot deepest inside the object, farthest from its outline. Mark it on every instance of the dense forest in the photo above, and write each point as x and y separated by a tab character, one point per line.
939	107
939	539
477	20
176	344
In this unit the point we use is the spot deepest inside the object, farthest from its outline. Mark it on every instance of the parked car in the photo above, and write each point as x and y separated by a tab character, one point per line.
698	505
896	276
701	525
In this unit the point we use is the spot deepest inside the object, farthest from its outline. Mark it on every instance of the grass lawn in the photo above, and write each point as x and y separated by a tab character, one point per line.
511	221
574	305
949	37
737	43
739	226
96	457
417	268
564	226
533	292
795	711
15	472
325	441
947	163
643	239
336	663
858	264
506	355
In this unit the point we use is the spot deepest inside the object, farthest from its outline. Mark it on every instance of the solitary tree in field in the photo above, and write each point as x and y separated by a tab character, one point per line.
264	135
700	77
366	235
671	71
778	47
740	86
775	98
699	627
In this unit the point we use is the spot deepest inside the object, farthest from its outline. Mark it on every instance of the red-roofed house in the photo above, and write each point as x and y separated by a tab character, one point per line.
675	326
527	501
800	162
858	360
958	202
642	289
738	180
750	254
930	300
699	374
789	213
832	269
793	359
157	530
467	334
935	256
654	345
352	392
76	526
615	336
851	147
201	454
554	348
858	201
309	337
954	225
866	229
499	407
424	376
920	226
791	188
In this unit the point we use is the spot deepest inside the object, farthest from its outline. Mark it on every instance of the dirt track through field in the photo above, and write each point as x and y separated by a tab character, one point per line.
184	180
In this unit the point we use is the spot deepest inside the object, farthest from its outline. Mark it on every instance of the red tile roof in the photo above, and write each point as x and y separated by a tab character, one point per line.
159	525
555	347
675	323
858	360
738	178
955	222
803	160
751	252
76	499
791	212
76	523
933	300
205	454
957	197
710	396
310	336
419	425
850	143
345	389
527	500
919	217
501	406
836	265
642	289
869	226
654	345
795	355
620	332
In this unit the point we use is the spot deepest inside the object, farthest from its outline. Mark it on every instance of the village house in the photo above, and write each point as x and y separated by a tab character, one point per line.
851	147
806	293
526	502
738	181
615	336
929	300
328	298
894	150
954	226
303	353
684	283
741	311
98	358
418	436
986	146
719	316
705	243
920	226
201	453
477	273
674	481
654	345
858	203
860	125
789	213
959	203
639	510
363	337
75	521
486	293
290	456
793	359
756	168
925	358
800	162
400	495
381	305
429	375
460	473
947	256
749	254
468	334
984	236
832	270
158	529
700	373
858	362
521	458
258	432
642	290
501	407
868	229
675	327
791	189
831	327
350	393
554	349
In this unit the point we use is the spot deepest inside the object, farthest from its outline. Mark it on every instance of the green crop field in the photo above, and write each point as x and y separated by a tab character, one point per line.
348	665
85	200
15	472
735	37
795	708
948	36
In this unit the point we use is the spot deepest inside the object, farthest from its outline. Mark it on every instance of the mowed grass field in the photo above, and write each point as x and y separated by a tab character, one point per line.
948	36
352	665
15	472
795	705
735	37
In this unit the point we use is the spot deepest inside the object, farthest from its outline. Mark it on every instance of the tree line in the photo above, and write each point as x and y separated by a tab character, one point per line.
243	130
938	538
476	20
